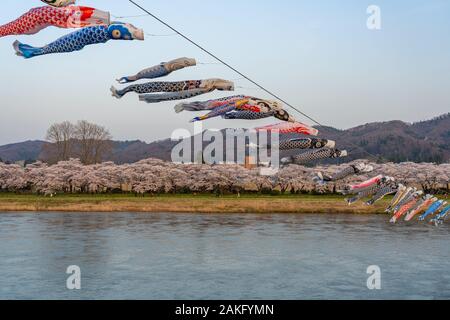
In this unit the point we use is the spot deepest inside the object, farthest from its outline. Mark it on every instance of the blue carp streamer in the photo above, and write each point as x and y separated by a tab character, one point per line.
77	40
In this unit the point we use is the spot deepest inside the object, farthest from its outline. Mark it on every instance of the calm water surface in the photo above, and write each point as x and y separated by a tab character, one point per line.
173	256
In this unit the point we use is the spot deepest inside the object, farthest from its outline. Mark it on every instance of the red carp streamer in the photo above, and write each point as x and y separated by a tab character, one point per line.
67	17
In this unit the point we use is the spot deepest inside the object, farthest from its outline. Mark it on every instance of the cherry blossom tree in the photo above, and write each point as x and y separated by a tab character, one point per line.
153	176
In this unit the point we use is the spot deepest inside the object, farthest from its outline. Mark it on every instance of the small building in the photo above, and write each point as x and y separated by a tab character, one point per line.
20	163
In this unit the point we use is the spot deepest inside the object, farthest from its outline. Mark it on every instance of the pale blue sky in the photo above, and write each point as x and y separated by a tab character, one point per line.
319	55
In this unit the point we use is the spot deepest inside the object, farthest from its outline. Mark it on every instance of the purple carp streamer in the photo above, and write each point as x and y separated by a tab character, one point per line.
220	111
161	70
76	41
263	105
315	155
178	86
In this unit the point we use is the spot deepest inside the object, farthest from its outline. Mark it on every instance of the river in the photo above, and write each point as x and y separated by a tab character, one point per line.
189	256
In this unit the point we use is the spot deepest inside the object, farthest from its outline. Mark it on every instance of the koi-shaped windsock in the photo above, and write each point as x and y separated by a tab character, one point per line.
408	206
59	3
77	40
290	127
161	70
222	110
68	17
315	155
258	105
359	168
207	85
433	209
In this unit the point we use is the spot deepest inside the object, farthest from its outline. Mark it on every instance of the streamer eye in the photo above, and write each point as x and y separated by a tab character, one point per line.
116	34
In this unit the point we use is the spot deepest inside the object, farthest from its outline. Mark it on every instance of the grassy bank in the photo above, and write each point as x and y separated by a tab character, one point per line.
186	203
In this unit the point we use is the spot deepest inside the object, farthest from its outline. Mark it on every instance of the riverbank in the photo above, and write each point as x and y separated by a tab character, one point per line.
187	204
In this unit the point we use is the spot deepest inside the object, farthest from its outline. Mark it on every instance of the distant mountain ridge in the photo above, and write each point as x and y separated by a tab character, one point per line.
397	141
22	151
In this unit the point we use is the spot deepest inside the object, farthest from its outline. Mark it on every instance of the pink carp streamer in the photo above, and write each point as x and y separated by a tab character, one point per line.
68	17
367	183
290	127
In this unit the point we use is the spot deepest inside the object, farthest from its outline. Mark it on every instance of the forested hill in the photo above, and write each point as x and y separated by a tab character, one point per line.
426	141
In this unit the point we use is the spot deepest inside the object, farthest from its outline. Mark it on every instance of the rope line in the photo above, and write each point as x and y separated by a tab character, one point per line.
127	17
161	35
259	86
209	63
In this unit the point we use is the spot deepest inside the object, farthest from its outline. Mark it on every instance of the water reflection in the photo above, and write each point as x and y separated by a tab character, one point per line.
171	256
